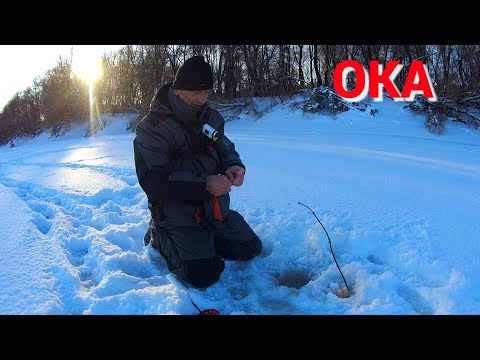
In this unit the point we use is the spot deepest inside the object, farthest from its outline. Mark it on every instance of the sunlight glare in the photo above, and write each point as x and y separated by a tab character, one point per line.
88	70
86	63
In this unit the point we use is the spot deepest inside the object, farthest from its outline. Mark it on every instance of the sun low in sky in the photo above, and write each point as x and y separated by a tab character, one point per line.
20	64
86	64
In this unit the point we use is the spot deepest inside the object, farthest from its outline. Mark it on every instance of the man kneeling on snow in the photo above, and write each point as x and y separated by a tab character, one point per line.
187	166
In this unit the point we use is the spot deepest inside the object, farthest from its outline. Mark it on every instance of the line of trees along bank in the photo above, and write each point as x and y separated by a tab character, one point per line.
133	73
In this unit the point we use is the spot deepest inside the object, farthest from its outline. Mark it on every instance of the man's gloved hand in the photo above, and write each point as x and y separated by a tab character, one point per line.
235	174
218	185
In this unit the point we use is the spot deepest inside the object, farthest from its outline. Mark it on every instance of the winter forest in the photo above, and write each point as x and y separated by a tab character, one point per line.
60	98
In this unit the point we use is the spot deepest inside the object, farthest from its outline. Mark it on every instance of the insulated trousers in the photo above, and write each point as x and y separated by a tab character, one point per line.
196	253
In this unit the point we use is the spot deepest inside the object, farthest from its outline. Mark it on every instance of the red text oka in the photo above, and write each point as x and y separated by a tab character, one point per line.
417	82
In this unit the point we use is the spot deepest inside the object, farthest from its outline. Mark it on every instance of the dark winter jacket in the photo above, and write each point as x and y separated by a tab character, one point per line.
173	158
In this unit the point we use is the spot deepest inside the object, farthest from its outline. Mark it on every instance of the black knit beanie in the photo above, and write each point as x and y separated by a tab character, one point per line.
195	74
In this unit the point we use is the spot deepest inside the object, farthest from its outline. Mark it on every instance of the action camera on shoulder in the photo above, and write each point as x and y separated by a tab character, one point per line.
210	132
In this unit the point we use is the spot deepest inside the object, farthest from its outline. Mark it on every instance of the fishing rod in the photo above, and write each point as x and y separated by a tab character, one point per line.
340	293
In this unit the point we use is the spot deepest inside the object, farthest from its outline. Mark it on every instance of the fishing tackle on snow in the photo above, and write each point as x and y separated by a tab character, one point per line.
340	293
180	287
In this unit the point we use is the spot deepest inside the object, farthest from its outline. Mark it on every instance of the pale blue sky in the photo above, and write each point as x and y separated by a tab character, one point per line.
20	64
